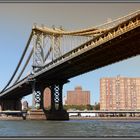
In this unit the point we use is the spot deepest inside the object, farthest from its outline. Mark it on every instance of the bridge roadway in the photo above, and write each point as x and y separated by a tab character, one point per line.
119	43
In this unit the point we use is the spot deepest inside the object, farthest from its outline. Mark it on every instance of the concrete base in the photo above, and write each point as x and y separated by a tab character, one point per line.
47	115
36	115
57	115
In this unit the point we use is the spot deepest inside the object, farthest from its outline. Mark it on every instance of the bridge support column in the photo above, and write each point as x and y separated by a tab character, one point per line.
41	100
37	92
10	104
56	97
57	112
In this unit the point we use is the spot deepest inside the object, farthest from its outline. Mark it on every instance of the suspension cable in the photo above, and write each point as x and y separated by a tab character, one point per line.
27	61
19	63
94	30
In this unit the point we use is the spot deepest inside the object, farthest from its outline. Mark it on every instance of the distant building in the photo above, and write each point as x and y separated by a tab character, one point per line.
47	98
24	105
78	97
64	100
120	93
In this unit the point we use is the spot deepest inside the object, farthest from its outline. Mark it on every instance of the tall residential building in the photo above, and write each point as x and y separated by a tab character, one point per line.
120	93
78	97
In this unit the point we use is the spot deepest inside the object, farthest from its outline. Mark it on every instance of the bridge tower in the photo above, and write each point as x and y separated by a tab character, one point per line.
56	111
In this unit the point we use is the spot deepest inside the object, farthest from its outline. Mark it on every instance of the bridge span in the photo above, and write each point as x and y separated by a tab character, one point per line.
54	66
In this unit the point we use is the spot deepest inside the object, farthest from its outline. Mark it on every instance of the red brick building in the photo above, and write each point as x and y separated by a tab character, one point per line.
78	97
120	93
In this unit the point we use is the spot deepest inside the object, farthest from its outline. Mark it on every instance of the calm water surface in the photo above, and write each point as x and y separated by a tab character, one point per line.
92	128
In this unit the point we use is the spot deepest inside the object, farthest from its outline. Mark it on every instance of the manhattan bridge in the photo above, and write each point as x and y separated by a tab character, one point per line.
57	55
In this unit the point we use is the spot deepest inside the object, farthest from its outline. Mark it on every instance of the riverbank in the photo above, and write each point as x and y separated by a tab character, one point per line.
105	118
5	118
76	118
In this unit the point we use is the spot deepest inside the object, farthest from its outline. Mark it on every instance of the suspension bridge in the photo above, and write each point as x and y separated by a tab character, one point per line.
56	55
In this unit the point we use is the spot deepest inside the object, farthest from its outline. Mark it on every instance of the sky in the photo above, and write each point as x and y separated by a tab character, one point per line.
16	21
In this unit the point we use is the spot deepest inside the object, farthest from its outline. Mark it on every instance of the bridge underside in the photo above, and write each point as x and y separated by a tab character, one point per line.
122	47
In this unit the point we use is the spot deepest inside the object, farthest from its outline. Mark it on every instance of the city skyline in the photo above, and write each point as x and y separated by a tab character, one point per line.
15	32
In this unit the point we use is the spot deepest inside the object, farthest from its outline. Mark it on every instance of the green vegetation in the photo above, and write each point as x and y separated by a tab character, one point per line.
78	107
96	106
83	107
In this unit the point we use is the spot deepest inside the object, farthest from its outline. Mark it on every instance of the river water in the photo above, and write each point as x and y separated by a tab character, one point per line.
71	128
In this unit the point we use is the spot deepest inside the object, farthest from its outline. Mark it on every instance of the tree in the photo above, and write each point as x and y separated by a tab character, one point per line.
97	106
89	107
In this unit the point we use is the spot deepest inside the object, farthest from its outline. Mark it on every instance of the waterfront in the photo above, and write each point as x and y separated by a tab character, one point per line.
71	128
